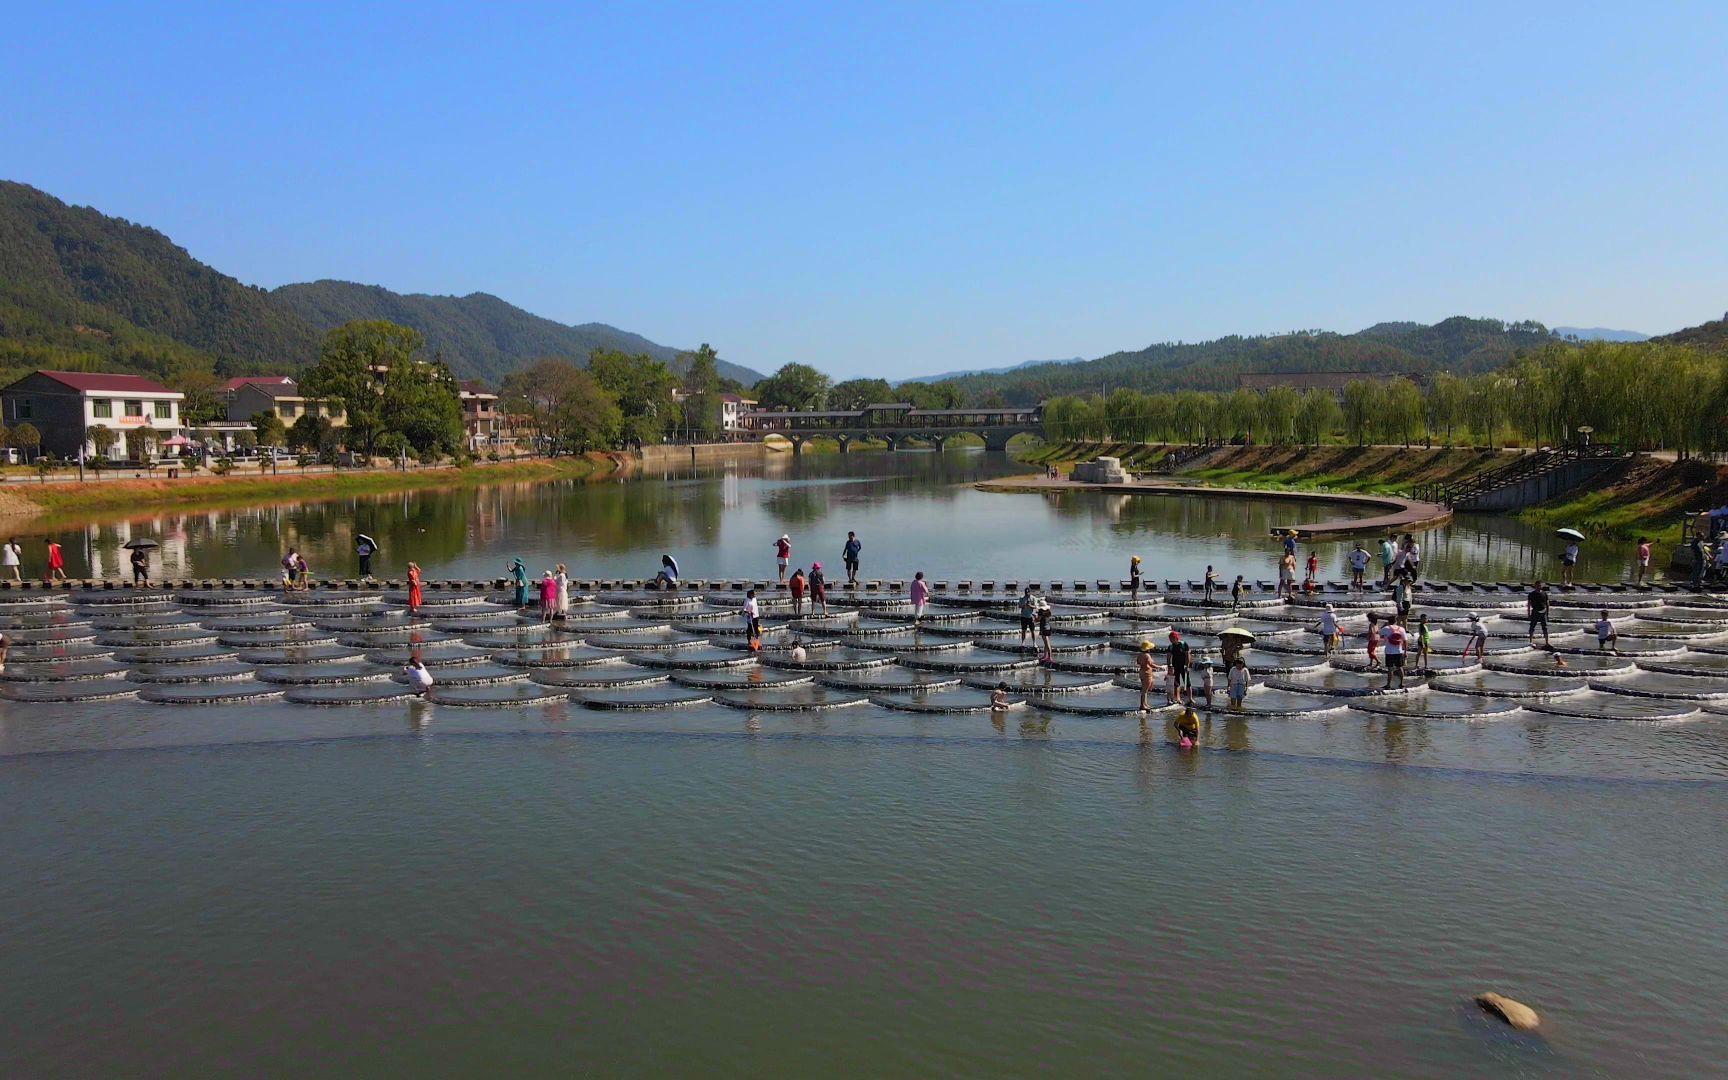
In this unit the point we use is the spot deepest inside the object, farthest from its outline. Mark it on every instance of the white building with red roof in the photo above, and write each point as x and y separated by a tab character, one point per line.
67	406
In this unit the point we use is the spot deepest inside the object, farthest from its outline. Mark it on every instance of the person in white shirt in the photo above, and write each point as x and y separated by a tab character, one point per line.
1412	557
418	677
12	558
1359	566
1568	562
1478	639
799	655
1607	638
752	619
1328	627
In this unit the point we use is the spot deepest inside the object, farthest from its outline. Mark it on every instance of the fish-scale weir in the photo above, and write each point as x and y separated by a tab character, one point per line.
626	647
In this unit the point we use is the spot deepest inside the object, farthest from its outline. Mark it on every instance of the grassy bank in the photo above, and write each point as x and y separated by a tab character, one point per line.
1137	457
1642	498
116	496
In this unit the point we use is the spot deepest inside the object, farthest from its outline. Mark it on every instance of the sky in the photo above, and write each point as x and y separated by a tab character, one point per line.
902	189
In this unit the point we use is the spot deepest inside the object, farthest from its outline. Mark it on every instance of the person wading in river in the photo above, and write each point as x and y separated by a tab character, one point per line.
1148	669
1536	611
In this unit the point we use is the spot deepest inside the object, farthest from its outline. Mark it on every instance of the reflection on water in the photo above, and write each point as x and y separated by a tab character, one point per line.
912	511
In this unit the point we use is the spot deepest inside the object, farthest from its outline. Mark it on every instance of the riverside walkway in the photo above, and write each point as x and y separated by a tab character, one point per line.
624	647
1400	514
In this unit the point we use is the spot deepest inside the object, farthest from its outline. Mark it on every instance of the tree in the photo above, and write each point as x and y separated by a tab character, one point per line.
1317	416
796	386
201	405
26	438
308	432
938	395
246	440
570	411
854	394
140	442
268	428
701	406
642	387
422	402
1362	404
103	438
354	367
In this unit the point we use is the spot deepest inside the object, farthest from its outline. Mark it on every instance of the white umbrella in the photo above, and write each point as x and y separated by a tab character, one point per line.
1570	534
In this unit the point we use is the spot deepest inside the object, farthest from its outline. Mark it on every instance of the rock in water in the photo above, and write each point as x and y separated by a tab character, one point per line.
1515	1013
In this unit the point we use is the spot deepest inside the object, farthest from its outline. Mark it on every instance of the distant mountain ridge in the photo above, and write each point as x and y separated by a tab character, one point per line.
946	375
80	289
1459	344
1599	333
481	335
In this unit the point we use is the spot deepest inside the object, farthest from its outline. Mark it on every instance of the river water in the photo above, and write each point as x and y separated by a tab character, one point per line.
274	889
912	511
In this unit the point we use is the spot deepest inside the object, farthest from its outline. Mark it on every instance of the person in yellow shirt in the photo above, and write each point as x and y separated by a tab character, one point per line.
1188	727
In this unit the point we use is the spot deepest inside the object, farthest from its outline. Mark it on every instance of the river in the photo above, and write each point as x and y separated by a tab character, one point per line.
275	889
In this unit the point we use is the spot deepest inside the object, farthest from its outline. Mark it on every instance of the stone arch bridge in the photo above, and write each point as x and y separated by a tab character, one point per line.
897	423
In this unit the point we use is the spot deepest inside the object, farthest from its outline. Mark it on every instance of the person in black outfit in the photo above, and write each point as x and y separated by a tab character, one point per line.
1178	659
1536	610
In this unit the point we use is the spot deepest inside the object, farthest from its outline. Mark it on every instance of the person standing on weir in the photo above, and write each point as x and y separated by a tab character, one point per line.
849	557
1134	578
1536	610
783	554
1388	555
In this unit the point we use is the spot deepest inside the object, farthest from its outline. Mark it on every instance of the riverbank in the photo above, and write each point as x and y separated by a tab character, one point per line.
217	492
1369	470
1400	514
1643	497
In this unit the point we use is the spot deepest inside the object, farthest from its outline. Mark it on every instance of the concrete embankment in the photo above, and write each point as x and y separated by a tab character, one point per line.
675	454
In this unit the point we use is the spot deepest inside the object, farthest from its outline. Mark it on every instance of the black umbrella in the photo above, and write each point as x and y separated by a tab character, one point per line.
144	543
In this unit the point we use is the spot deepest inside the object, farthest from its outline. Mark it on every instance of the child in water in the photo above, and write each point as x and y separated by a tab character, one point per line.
1188	728
1205	677
999	696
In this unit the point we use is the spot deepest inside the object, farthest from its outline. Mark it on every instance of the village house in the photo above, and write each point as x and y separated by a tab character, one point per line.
68	406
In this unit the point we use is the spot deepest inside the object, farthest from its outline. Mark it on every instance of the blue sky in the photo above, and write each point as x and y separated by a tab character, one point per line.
903	189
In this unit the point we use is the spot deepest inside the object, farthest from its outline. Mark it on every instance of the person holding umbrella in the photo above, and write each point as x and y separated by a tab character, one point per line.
365	547
667	578
1569	557
141	561
1233	641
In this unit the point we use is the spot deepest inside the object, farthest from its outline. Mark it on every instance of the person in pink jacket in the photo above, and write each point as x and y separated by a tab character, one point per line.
920	595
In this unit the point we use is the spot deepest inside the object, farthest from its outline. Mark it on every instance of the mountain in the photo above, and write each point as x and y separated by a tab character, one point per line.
1711	335
945	376
480	335
1460	345
79	288
1599	333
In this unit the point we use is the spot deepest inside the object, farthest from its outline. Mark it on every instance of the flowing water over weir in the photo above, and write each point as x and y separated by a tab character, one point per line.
647	650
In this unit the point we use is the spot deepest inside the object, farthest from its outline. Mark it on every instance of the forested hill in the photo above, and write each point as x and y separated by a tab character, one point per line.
1711	335
81	289
1459	345
480	335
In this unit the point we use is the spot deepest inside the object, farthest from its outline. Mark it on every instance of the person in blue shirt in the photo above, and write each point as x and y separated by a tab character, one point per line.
519	573
849	556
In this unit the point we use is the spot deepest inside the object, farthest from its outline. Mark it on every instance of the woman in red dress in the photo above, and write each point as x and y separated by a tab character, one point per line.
415	596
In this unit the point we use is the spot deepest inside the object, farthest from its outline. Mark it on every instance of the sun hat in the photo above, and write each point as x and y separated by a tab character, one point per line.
1135	559
1174	636
815	566
1145	646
